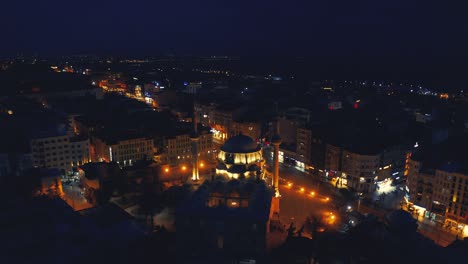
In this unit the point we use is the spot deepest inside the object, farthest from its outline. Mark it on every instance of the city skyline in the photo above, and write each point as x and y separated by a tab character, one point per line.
325	131
417	41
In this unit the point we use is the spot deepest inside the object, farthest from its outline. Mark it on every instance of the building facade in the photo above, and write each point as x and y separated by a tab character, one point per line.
63	152
361	171
124	151
441	194
179	148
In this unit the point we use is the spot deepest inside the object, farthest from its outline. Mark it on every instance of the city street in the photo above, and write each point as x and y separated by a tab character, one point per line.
74	197
303	197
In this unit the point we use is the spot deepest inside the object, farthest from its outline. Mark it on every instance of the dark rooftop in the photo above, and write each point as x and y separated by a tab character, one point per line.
240	144
258	193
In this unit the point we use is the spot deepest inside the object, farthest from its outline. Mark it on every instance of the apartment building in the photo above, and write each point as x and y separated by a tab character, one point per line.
179	148
228	121
439	188
361	170
63	152
123	149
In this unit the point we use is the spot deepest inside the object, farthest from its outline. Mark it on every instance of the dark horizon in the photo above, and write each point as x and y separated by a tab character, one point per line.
440	74
396	40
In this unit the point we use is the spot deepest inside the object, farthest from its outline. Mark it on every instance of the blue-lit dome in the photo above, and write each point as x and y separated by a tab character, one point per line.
240	144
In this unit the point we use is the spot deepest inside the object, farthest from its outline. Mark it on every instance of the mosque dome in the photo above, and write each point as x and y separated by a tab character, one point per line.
240	156
240	144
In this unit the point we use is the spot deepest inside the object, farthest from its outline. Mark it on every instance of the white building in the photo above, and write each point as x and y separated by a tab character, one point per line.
63	152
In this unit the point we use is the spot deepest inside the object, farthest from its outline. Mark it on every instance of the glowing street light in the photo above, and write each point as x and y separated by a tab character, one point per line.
166	169
327	199
302	189
289	184
201	165
184	168
312	193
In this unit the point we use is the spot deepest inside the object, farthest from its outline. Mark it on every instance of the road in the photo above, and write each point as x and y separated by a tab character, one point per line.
73	196
302	197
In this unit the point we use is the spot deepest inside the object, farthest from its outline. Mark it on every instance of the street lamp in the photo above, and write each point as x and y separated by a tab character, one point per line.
184	168
166	169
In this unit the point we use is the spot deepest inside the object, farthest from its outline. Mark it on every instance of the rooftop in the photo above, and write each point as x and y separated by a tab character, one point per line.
258	193
240	144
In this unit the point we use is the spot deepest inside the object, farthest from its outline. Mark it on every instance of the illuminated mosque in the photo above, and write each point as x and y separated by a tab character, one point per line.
235	209
240	157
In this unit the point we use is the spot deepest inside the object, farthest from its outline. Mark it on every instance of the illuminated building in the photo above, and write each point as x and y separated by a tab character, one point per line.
361	171
225	216
179	148
63	152
438	183
233	211
227	121
123	149
240	157
363	168
302	146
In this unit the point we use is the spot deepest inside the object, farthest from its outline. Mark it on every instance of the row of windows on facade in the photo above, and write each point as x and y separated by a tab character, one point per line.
62	152
188	156
130	152
57	164
134	157
57	147
187	142
63	158
52	141
132	146
187	147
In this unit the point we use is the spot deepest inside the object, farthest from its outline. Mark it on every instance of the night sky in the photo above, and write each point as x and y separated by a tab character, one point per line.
406	32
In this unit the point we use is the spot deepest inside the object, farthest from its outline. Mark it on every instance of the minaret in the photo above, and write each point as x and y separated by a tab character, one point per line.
276	141
194	137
